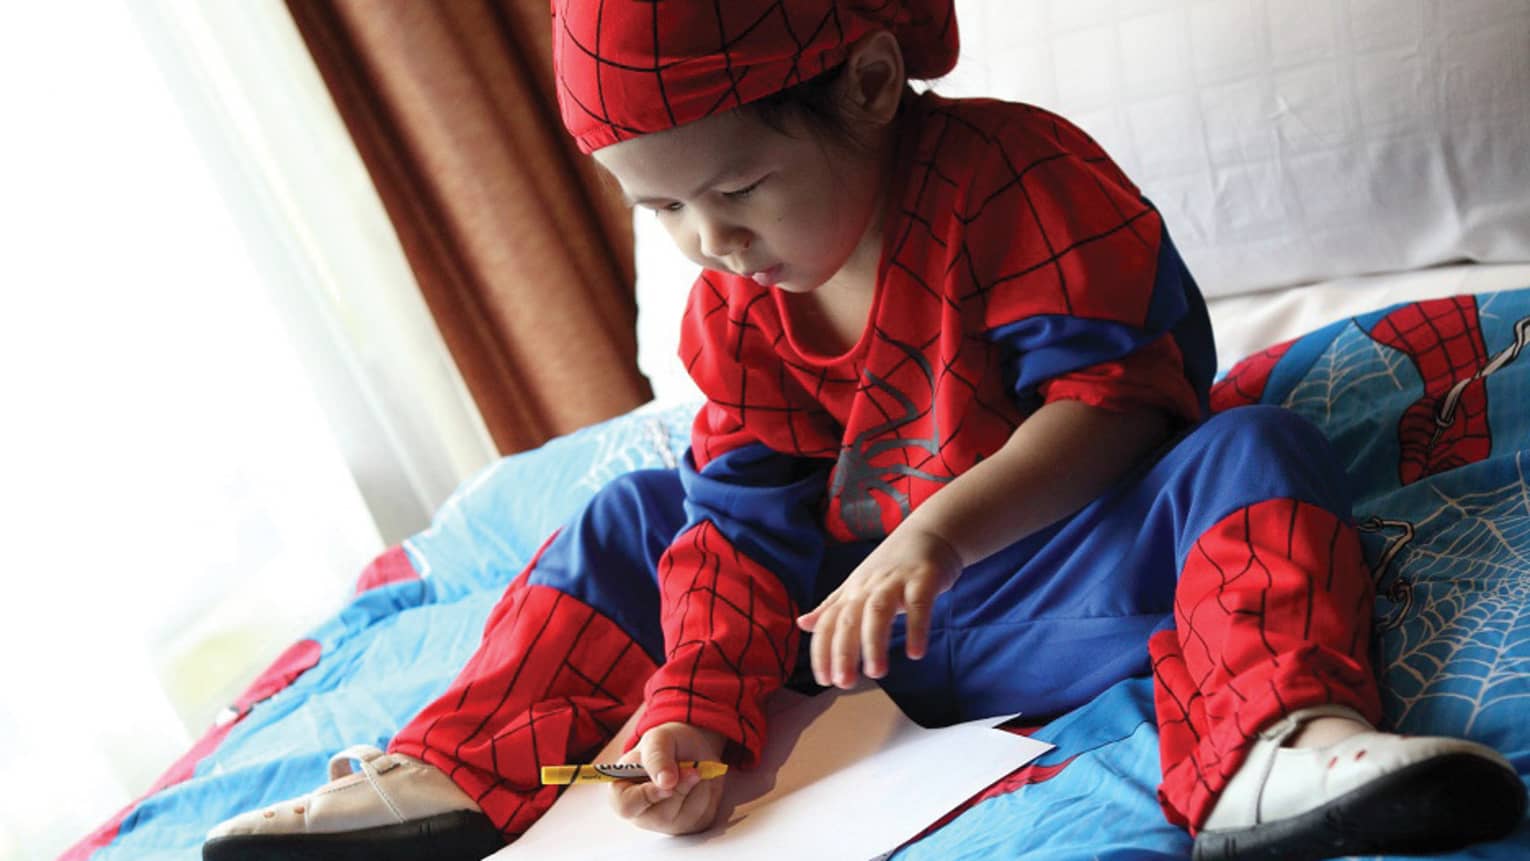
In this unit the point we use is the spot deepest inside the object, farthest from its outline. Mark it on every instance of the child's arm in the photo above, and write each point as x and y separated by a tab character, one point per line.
1058	460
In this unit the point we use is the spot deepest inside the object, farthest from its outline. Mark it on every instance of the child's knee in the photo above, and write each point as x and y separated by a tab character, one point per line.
1263	433
1249	454
640	490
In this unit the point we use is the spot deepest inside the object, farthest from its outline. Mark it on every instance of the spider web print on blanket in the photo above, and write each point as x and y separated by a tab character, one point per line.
1456	594
1429	403
1444	510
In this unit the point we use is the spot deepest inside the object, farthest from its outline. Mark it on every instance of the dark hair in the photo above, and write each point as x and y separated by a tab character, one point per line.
813	102
816	104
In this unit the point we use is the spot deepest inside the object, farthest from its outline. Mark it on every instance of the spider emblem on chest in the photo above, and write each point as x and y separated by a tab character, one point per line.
858	475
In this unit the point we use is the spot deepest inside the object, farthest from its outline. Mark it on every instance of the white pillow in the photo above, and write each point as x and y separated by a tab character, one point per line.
1287	141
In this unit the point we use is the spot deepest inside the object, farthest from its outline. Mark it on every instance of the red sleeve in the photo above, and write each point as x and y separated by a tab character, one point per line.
730	588
1152	377
733	582
730	640
1052	226
1076	277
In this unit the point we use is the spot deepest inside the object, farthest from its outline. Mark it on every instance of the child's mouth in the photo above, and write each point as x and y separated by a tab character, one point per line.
766	277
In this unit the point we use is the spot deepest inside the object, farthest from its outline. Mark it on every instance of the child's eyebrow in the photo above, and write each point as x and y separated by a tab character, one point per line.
727	172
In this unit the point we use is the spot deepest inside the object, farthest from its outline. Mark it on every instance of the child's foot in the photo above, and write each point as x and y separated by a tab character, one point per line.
394	807
1359	791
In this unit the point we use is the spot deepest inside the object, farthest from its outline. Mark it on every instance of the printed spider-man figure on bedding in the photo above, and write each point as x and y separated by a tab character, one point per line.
1442	339
1019	270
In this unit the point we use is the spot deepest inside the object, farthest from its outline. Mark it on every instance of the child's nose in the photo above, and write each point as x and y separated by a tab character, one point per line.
721	239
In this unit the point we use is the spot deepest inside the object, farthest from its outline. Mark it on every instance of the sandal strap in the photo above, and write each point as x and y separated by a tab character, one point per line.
368	757
340	763
1287	726
1261	756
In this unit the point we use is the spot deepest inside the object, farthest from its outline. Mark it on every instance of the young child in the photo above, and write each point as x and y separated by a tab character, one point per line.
956	381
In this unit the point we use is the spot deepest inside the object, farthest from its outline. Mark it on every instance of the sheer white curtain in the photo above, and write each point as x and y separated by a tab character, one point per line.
222	395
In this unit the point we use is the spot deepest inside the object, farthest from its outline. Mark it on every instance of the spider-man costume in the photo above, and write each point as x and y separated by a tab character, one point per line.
1019	267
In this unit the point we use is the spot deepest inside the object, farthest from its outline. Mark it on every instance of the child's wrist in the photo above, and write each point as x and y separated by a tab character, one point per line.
942	550
715	741
952	555
697	736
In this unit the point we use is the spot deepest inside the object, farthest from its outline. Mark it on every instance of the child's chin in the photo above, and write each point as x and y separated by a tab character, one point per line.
795	286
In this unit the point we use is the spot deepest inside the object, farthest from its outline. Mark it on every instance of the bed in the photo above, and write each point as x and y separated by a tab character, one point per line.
1348	142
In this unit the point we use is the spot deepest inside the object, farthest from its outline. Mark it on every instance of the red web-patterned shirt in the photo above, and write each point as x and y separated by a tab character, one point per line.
1020	266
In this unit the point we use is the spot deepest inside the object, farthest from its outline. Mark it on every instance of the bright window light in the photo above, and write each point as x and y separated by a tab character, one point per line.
174	508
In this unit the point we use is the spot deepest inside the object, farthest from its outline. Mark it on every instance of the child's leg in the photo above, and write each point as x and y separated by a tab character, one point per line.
564	658
1231	556
1049	623
562	664
1272	611
1271	629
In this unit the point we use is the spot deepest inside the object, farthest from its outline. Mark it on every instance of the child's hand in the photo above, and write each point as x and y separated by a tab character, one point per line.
904	574
673	801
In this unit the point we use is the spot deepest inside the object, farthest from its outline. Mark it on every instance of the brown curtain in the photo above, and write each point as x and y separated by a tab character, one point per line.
522	249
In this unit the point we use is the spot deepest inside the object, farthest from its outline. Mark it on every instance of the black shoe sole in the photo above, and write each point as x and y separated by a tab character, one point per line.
1438	805
461	835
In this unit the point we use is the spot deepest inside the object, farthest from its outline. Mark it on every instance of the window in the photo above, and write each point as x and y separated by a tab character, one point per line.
222	396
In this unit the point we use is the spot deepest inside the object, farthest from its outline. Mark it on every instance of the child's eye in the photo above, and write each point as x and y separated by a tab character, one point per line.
668	207
744	192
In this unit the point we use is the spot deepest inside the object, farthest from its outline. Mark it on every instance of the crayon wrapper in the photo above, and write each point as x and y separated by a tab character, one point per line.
608	772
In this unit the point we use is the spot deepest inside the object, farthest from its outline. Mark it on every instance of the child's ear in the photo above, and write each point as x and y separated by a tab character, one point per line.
874	78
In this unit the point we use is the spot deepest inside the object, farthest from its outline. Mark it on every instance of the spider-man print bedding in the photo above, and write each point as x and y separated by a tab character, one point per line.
1428	403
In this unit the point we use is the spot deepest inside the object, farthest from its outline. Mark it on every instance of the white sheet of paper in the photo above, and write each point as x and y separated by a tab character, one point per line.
843	775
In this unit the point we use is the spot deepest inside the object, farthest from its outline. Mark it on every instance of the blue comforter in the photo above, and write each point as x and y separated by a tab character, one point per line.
1429	403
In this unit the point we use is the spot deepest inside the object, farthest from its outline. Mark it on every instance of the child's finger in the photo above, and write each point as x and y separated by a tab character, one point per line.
918	603
698	809
658	757
876	629
808	621
632	798
845	652
690	809
823	638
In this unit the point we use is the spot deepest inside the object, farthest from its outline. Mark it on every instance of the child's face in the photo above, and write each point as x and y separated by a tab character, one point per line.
737	196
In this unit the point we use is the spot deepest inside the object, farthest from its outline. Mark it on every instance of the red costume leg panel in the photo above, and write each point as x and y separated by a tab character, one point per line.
1272	614
551	683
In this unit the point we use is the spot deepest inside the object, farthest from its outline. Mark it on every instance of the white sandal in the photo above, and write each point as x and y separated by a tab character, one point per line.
394	806
1372	792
